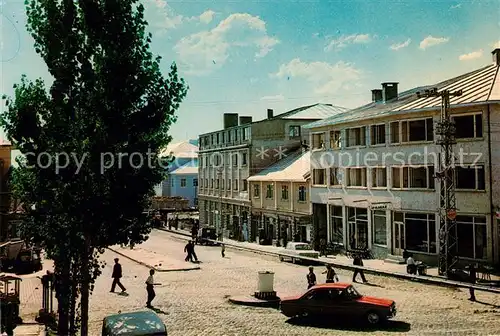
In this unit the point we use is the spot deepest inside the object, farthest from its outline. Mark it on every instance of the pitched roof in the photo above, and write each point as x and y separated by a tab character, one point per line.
293	168
181	150
312	112
188	169
478	86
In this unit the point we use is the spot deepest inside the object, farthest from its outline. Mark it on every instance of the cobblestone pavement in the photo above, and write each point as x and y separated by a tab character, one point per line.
195	302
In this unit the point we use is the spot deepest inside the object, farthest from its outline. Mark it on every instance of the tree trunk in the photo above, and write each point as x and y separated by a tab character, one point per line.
74	296
62	271
85	288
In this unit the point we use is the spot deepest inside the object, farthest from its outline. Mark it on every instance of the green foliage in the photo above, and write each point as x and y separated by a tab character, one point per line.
108	96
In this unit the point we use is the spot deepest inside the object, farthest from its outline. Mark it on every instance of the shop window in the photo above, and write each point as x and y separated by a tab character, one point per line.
335	140
284	192
357	224
336	229
420	232
379	177
470	178
413	177
294	131
318	141
471	234
302	194
334	176
468	126
379	227
377	133
356	177
319	176
269	191
256	190
356	136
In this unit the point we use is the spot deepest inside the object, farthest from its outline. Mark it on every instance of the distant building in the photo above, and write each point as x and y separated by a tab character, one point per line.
182	172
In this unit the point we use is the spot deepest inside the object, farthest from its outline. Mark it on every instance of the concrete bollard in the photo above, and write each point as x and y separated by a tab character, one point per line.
265	286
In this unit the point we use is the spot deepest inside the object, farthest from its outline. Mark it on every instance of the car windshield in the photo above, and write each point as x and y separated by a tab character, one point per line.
351	292
302	247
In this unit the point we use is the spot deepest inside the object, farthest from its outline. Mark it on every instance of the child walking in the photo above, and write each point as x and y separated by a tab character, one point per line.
223	250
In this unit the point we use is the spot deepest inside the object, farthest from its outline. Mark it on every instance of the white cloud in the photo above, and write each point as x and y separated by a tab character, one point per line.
326	78
345	40
207	16
397	46
208	50
471	56
273	98
456	6
431	41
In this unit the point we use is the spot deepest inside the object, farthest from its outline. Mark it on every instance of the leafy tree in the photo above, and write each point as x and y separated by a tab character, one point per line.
81	181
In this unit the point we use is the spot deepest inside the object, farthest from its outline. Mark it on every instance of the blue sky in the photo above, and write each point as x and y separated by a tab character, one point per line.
247	56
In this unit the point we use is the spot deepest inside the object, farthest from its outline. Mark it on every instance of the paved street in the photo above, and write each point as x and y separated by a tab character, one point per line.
195	301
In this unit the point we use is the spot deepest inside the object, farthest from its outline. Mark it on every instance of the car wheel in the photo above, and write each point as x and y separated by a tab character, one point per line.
294	261
281	259
373	318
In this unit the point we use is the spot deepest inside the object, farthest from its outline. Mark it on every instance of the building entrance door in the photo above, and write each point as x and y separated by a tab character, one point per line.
399	238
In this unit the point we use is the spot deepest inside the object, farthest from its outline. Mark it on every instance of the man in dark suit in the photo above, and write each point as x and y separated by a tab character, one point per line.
117	274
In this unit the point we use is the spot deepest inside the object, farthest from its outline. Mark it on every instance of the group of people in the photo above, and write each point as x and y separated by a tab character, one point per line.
331	276
191	254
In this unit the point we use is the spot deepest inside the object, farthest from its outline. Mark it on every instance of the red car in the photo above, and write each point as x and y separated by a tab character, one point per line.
338	300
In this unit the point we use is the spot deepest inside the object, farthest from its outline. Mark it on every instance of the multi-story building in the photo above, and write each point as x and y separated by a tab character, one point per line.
228	157
184	183
373	170
7	227
280	202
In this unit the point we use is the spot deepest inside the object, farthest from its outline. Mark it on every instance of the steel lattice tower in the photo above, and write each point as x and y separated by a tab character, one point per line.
445	138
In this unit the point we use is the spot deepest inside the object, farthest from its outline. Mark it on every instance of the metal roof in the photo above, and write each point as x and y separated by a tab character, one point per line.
292	168
184	150
479	86
317	111
187	169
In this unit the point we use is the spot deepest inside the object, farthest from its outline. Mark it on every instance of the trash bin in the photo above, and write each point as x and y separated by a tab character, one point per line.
266	282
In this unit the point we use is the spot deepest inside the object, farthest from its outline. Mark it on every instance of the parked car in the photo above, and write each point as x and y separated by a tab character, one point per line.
338	300
299	250
141	323
207	236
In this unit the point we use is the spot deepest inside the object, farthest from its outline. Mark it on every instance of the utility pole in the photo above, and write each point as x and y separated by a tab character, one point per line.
445	137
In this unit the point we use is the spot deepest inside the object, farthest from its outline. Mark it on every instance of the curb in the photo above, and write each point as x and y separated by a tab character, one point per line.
162	270
250	301
418	278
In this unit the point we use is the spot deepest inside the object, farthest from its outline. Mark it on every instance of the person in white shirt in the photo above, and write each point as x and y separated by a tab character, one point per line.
150	283
411	265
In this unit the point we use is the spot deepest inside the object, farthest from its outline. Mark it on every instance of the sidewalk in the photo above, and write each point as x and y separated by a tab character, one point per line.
373	266
29	330
146	256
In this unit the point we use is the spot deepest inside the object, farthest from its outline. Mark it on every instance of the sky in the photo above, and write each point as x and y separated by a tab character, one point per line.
248	56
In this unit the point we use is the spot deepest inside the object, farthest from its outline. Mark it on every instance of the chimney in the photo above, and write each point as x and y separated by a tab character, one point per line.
270	113
389	91
245	120
496	56
230	120
377	95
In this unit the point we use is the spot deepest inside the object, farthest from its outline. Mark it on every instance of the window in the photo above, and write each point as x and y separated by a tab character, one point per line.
335	140
413	177
217	183
211	183
206	183
235	187
395	132
269	191
228	136
420	232
236	132
223	137
245	185
377	134
243	159
417	130
171	182
357	224
356	177
302	194
379	177
229	185
222	184
318	140
379	227
284	192
183	183
319	176
356	136
218	138
470	178
336	230
245	133
294	131
211	139
471	234
468	126
235	159
256	190
334	176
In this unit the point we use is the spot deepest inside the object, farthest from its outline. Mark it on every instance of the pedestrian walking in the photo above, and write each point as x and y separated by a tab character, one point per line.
223	250
331	276
117	275
193	253
188	249
472	279
322	247
358	261
311	278
150	288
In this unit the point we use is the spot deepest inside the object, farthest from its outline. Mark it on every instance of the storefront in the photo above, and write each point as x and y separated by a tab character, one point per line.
357	228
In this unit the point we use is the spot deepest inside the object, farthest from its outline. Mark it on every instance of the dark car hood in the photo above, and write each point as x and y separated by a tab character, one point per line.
375	301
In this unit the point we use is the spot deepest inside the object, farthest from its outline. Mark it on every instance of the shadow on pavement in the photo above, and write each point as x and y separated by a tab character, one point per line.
158	311
487	304
353	325
371	284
